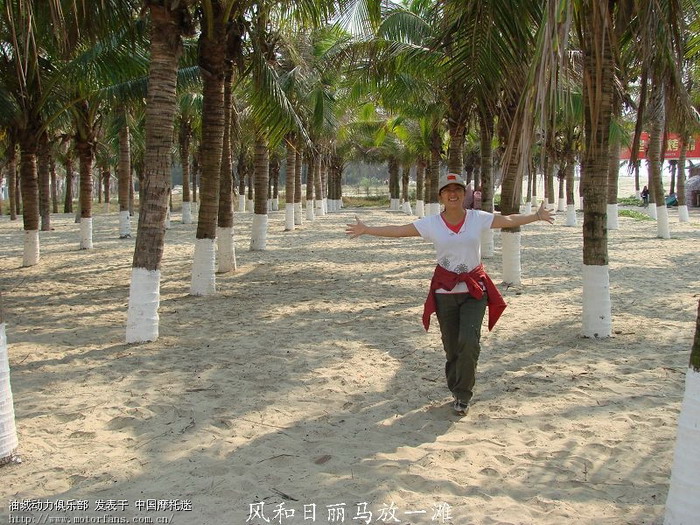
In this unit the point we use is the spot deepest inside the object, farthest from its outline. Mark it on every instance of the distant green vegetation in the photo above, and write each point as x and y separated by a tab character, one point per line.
636	215
629	201
366	202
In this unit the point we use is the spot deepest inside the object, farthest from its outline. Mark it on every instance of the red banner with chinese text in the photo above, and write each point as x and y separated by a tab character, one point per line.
673	147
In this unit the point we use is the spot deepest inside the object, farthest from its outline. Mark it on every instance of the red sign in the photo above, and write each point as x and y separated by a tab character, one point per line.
673	147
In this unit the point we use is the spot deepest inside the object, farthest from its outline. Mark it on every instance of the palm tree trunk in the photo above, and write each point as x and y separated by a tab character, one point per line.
289	183
185	138
510	237
614	168
394	183
682	501
683	215
404	190
84	149
124	181
44	180
657	116
318	184
298	165
274	184
144	293
8	429
486	129
226	251
311	174
420	187
598	87
68	199
106	181
54	184
211	56
12	179
258	239
569	171
30	196
434	170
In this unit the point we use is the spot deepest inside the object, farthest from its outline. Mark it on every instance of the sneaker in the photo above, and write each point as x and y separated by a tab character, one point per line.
460	407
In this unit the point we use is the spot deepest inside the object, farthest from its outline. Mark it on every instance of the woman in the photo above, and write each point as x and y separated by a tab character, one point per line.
460	288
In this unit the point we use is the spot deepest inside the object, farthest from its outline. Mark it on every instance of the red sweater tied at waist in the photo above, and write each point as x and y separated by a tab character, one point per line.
447	280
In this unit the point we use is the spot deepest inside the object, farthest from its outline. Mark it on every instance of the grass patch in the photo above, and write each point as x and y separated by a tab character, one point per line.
636	215
366	202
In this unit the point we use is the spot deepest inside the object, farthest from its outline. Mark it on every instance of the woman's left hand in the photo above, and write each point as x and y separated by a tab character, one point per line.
543	214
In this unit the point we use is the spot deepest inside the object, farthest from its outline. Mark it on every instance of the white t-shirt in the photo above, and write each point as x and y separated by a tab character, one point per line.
456	252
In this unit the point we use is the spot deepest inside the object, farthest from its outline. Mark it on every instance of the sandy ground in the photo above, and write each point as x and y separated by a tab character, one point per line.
308	384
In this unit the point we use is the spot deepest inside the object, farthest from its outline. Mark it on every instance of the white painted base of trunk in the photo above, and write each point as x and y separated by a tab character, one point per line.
613	223
434	208
597	315
258	233
683	213
510	253
250	206
407	208
30	255
186	213
320	209
533	202
570	215
662	227
8	430
226	250
275	204
298	214
124	225
420	209
527	208
488	249
310	216
289	217
651	211
144	300
86	233
394	205
561	206
683	504
241	203
204	267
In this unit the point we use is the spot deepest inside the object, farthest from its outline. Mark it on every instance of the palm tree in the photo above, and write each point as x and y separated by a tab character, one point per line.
169	23
8	431
681	504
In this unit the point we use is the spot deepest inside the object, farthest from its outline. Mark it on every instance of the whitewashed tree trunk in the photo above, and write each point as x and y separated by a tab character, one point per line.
613	223
570	215
683	503
420	209
597	312
186	213
683	215
226	250
394	204
310	211
144	300
318	204
527	208
407	208
510	252
8	430
86	233
204	267
124	224
435	208
662	226
250	207
298	214
275	204
30	256
651	211
487	246
258	234
241	203
289	217
561	205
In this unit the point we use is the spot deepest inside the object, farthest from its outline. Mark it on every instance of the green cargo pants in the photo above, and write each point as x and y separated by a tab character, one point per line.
460	316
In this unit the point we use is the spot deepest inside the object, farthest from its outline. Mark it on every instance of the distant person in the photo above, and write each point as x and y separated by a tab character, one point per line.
645	196
460	288
477	198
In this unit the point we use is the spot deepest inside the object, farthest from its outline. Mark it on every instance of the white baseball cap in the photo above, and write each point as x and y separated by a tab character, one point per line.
451	178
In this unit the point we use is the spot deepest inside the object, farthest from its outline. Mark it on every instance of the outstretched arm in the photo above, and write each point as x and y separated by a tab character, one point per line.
511	221
360	228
